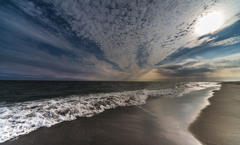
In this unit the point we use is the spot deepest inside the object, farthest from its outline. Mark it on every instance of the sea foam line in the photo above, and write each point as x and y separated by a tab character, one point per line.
22	118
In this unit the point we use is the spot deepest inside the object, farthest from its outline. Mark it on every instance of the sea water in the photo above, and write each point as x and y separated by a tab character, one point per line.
28	105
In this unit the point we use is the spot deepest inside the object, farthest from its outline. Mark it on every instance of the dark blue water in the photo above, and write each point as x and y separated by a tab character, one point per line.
20	91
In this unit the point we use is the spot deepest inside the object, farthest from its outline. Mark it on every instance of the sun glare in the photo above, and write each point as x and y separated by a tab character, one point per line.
209	23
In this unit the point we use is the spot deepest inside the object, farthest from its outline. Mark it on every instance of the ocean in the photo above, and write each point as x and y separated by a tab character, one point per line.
26	106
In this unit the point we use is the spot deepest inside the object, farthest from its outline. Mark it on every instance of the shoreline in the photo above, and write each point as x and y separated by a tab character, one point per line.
199	113
160	121
218	123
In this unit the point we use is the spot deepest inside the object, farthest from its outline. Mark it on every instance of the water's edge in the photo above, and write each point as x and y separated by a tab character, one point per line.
24	117
212	92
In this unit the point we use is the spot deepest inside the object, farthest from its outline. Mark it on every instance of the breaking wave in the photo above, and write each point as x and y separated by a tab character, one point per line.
21	118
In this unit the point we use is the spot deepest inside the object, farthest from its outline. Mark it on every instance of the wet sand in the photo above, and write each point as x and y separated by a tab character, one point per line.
123	125
162	121
219	123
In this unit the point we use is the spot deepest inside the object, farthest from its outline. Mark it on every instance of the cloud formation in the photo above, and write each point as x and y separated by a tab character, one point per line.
112	40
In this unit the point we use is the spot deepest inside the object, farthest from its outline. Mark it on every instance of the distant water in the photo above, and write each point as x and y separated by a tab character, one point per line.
20	91
28	105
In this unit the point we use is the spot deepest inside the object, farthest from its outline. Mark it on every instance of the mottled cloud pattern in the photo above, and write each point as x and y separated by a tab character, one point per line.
116	40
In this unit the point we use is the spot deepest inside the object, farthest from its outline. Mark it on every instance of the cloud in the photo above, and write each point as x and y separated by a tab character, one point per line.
189	69
226	42
222	43
113	30
110	39
198	68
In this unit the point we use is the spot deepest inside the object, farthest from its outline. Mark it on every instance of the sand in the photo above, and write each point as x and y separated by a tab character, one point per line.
219	123
123	125
158	122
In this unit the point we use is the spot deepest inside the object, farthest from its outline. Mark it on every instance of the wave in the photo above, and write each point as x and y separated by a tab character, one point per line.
21	118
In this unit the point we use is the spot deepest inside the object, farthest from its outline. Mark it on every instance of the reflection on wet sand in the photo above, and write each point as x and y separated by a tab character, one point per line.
160	121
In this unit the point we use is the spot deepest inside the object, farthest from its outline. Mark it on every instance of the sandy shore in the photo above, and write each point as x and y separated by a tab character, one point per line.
219	123
123	125
162	121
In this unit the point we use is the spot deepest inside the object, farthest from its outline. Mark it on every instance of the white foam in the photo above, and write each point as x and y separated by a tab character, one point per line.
22	118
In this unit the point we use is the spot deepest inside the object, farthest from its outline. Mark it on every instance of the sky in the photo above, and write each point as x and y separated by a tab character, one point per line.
120	40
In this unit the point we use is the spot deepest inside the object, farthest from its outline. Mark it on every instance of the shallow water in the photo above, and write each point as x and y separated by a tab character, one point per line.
27	106
176	114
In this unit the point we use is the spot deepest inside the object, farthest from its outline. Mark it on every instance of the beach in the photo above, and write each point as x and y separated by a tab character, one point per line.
161	121
219	123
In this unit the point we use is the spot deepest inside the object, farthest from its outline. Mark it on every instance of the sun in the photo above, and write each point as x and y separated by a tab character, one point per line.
209	23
